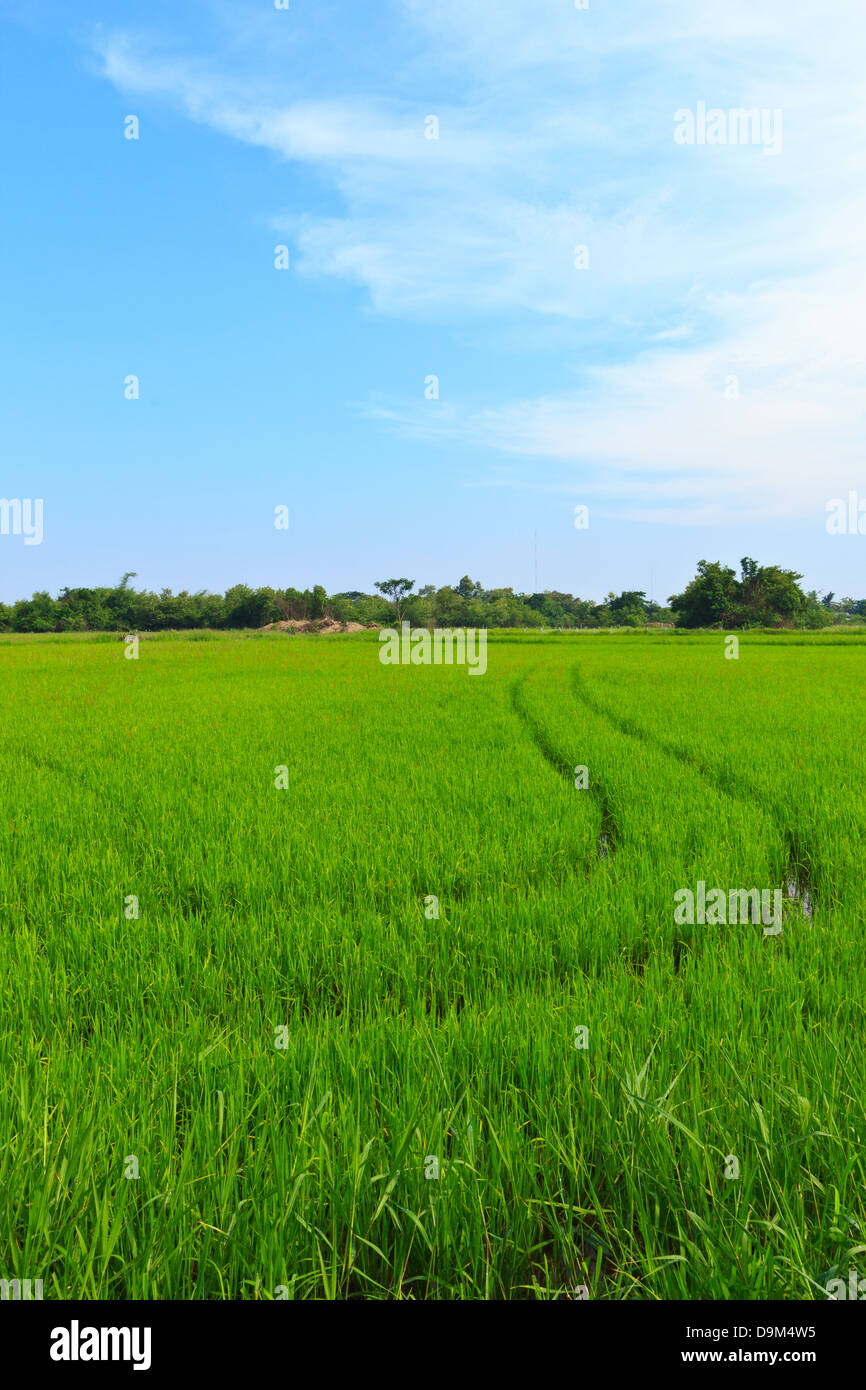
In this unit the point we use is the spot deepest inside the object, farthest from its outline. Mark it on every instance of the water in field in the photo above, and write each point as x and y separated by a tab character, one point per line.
800	893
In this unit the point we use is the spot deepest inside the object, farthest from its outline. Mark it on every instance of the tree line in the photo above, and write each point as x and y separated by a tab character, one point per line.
760	596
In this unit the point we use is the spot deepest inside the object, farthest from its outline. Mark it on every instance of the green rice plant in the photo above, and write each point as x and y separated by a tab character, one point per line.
328	979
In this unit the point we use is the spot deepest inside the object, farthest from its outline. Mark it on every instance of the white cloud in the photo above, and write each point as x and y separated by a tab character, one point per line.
780	439
704	262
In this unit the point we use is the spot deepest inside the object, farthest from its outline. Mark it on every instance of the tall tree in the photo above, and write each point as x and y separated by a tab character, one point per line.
397	591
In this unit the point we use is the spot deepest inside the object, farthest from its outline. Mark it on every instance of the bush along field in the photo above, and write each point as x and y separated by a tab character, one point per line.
330	978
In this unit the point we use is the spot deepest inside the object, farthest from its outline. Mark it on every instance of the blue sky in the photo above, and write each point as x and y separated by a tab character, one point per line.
698	384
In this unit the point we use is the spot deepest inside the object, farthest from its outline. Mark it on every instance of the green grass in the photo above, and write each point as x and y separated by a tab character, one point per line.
268	1169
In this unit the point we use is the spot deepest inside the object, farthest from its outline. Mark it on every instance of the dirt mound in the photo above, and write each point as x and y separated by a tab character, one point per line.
322	626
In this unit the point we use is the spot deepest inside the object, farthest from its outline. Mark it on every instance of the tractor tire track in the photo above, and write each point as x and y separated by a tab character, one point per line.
801	859
609	833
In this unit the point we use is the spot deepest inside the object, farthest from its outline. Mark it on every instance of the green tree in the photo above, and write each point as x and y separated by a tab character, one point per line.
396	591
763	596
709	599
629	609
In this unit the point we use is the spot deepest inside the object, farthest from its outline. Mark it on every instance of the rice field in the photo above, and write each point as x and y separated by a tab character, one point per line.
324	979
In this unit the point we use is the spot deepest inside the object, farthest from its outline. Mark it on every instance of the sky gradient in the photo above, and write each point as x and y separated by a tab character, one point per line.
696	379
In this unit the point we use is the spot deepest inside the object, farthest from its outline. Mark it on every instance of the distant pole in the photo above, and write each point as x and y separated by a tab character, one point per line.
536	560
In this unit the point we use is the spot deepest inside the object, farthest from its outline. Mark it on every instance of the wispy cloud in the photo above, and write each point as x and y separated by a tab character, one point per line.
712	263
771	413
